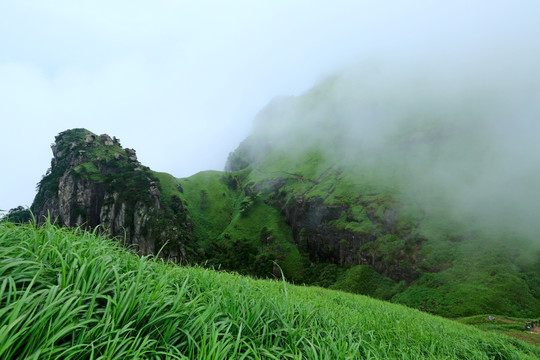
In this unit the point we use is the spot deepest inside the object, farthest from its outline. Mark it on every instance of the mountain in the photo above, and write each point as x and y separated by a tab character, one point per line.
94	182
340	187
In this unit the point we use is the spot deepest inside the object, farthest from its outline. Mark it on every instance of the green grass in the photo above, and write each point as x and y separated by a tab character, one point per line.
74	140
234	231
503	324
362	279
69	294
89	170
477	283
263	227
210	203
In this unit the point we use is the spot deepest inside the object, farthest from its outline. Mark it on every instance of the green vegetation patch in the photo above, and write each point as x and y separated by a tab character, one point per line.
73	295
511	326
211	200
89	170
475	284
257	238
362	279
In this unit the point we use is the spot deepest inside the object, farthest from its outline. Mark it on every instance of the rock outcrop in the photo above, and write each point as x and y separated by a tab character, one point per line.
94	183
316	230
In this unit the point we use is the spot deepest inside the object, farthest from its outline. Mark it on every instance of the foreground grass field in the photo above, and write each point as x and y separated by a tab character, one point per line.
74	295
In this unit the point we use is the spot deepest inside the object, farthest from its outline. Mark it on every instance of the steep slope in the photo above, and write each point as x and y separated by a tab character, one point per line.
93	182
72	295
235	229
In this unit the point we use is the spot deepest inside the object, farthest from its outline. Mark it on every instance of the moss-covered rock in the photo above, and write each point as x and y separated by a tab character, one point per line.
93	182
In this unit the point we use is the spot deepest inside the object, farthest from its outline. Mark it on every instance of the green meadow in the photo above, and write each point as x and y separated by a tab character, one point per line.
71	294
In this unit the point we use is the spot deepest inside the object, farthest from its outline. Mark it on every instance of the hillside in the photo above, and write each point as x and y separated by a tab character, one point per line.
405	197
408	211
69	294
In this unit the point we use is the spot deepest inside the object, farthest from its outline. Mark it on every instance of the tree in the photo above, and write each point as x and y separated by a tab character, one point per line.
18	215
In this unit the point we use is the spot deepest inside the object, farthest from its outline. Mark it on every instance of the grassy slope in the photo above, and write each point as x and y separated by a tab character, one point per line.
477	283
208	201
503	324
72	295
456	280
232	236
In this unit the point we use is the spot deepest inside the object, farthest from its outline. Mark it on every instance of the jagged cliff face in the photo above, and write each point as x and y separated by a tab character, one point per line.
94	182
317	233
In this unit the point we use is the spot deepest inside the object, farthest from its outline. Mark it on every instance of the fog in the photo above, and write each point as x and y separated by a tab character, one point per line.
459	137
181	81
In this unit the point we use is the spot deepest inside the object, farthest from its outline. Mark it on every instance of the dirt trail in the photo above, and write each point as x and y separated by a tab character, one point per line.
504	320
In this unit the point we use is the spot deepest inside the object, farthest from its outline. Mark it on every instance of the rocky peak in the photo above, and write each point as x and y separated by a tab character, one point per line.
94	182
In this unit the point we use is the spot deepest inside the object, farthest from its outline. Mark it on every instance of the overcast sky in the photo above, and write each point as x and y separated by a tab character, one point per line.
181	81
